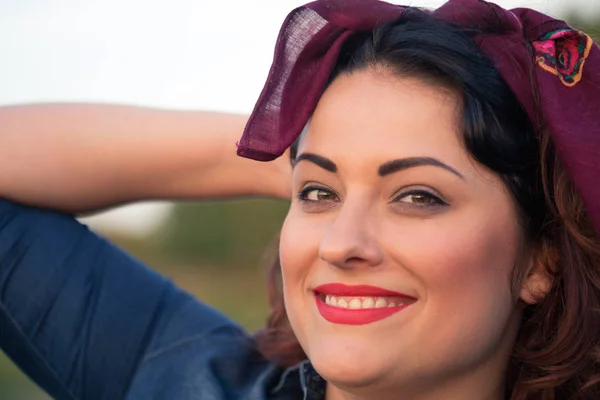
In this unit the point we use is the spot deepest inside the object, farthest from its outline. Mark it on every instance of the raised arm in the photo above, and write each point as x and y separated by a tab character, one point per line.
83	157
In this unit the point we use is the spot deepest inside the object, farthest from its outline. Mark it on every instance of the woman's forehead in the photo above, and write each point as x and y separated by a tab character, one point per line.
366	112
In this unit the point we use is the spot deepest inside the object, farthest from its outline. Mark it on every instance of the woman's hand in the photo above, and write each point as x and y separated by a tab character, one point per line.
81	158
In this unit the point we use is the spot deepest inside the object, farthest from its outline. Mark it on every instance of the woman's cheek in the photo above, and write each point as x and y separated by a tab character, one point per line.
298	250
298	253
464	273
300	239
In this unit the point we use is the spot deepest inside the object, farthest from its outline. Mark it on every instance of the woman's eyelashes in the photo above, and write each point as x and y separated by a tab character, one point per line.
314	194
418	199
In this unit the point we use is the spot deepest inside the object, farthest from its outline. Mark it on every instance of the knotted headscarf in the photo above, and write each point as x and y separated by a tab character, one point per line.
521	43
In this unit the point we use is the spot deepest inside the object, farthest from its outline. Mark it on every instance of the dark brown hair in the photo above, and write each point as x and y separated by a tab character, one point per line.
557	352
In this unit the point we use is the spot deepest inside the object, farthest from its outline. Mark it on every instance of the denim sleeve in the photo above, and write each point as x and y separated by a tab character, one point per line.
77	314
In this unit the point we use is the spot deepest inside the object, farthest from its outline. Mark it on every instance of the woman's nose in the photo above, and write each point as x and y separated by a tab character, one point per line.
352	240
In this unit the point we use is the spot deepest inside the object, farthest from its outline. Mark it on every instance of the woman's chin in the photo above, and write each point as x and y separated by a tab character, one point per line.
347	369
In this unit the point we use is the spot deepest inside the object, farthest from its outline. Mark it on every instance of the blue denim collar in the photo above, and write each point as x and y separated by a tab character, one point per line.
305	378
312	384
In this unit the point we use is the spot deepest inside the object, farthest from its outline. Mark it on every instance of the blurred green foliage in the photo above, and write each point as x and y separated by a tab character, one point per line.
228	234
591	27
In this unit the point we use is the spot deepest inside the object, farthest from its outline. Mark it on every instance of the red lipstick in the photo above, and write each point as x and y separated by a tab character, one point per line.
359	316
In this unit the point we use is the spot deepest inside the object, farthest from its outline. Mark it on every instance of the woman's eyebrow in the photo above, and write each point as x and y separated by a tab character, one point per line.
321	161
388	168
405	163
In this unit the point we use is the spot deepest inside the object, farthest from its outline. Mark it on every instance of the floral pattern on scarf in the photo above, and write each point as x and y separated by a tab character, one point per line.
563	53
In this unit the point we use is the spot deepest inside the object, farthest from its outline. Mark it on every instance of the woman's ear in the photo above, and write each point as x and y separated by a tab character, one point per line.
538	281
536	286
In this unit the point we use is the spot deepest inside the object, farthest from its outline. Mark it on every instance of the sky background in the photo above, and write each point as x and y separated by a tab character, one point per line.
191	54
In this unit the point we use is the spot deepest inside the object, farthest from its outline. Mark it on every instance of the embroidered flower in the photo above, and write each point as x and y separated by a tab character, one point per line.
563	53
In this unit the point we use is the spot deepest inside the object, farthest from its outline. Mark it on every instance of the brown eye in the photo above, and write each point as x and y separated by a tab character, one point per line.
318	195
420	199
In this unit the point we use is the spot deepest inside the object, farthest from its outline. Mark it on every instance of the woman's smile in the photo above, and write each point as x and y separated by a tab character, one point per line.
358	305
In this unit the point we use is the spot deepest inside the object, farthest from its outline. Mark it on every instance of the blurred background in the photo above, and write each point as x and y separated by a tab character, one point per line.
183	54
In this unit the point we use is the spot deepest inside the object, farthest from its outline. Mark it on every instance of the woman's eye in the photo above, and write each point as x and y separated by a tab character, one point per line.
420	198
316	194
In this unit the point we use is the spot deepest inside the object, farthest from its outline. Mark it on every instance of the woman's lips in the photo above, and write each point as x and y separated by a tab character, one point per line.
358	305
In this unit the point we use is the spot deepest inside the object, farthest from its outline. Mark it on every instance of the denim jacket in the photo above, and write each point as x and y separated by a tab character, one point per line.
84	320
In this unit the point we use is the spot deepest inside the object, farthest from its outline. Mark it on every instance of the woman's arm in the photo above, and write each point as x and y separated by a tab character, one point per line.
84	157
84	320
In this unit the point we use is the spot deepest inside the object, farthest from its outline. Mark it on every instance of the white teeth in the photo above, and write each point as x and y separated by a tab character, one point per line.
380	303
368	303
356	303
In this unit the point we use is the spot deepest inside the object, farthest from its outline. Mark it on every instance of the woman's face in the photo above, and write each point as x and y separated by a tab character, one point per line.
398	250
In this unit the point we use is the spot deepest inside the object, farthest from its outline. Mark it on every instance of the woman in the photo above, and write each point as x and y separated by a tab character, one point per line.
442	240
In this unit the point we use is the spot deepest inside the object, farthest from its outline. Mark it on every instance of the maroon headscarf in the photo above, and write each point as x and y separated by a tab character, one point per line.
565	63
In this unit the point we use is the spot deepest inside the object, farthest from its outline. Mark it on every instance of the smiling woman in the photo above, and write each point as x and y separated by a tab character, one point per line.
420	175
407	210
435	247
